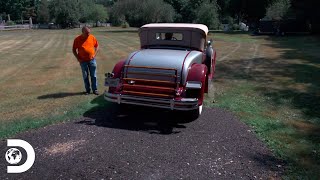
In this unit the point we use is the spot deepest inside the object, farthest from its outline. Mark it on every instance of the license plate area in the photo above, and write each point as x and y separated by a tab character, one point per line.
111	82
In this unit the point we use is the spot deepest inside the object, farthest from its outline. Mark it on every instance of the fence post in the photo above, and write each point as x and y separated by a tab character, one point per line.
30	22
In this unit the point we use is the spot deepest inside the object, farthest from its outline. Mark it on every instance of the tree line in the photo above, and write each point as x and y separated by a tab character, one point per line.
138	12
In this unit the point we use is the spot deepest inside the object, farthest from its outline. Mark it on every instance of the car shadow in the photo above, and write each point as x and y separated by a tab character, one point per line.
133	118
60	95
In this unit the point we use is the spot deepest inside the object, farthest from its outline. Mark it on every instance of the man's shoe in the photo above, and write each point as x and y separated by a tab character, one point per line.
96	92
87	93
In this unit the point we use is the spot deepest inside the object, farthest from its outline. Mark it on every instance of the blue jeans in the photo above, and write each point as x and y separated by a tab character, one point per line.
87	68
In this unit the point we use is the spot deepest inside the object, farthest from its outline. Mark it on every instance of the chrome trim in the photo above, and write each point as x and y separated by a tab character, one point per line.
185	104
171	104
119	99
193	85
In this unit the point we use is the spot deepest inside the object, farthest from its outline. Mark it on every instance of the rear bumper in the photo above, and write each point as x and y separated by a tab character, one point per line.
184	104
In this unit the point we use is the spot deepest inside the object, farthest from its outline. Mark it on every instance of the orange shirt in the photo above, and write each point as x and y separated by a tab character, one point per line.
86	47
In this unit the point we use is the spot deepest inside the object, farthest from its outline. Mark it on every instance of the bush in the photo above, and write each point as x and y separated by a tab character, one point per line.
125	25
230	20
10	23
235	27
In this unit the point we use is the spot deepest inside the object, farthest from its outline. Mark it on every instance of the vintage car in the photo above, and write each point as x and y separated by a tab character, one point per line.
172	70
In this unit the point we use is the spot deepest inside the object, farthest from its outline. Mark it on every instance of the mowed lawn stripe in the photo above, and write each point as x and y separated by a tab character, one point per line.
5	36
108	55
43	76
129	39
29	59
111	48
15	44
14	59
122	45
47	42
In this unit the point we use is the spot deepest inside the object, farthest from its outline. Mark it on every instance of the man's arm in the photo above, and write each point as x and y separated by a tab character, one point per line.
96	50
75	49
75	53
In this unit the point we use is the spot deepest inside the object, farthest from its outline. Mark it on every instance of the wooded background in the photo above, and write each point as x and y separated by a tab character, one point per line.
138	12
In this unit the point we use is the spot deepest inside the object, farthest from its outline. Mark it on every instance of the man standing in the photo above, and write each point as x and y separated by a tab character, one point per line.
85	48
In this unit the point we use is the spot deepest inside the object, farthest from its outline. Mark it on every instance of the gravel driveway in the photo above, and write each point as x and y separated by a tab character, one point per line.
147	144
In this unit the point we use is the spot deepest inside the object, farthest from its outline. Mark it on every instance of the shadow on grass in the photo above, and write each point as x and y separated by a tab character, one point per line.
60	95
134	118
267	160
284	82
304	74
290	80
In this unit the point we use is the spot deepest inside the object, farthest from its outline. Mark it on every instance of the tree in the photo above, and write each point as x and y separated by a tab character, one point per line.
178	6
18	9
188	11
224	7
308	10
139	12
278	10
65	13
106	3
98	13
43	12
86	7
248	10
157	11
207	13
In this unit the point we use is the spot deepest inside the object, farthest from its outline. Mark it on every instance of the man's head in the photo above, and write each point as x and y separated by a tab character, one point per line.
168	36
85	31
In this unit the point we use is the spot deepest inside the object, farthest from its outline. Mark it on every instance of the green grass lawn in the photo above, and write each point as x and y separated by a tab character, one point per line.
42	82
273	85
270	83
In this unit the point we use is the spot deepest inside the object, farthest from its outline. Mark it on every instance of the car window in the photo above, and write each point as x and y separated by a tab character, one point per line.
169	36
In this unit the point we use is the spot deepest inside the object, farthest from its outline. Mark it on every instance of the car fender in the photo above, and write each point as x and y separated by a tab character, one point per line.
198	73
118	69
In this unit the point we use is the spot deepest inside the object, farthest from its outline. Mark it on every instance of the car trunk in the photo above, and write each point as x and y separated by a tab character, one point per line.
154	73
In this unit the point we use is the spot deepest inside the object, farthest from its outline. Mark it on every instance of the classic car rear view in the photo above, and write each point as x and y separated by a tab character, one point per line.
172	70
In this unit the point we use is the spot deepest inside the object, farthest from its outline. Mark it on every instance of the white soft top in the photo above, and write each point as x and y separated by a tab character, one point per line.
202	27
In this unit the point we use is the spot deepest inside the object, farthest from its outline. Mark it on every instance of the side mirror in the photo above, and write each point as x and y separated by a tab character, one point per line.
209	44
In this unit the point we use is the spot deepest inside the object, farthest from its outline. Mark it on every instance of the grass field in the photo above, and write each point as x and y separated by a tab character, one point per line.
271	83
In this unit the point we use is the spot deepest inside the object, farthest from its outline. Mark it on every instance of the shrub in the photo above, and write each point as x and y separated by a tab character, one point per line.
235	27
10	23
125	25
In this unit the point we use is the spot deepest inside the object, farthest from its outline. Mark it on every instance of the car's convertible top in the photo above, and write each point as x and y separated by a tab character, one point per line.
178	26
192	36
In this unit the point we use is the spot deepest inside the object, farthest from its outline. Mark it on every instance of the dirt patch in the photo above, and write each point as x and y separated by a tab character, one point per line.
64	148
306	127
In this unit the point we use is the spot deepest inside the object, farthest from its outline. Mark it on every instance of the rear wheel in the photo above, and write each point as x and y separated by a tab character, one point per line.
196	112
189	116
